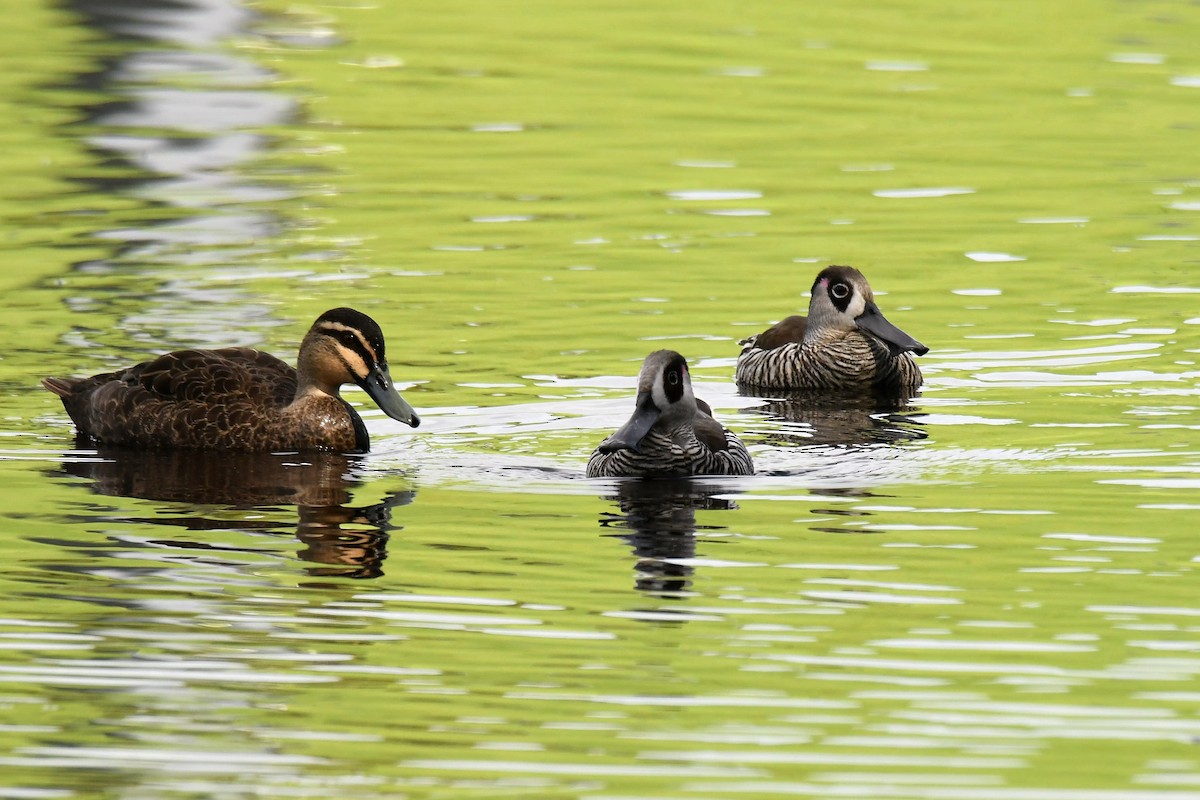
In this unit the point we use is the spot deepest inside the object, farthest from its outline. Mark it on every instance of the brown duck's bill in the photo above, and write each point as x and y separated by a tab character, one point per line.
378	384
629	436
873	322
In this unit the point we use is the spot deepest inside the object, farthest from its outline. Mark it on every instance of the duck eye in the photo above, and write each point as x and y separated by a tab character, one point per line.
673	378
839	291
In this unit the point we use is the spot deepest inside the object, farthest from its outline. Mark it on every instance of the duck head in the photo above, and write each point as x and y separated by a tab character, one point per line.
346	346
664	399
842	300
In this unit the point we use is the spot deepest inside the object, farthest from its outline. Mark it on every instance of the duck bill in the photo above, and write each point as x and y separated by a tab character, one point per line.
378	384
875	323
629	436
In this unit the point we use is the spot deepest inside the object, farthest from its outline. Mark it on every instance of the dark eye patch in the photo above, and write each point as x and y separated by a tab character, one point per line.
839	293
673	380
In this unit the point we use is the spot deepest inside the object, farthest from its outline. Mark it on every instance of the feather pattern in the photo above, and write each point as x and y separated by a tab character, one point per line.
673	454
829	363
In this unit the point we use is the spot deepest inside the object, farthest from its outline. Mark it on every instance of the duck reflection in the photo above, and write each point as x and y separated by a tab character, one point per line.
810	419
341	540
657	518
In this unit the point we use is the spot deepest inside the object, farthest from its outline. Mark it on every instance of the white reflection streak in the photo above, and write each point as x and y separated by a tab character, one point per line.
173	760
420	617
1060	709
1154	290
904	587
1034	355
881	597
916	193
980	668
540	633
907	778
862	759
871	791
686	701
985	647
437	598
1156	610
542	768
103	674
983	363
715	194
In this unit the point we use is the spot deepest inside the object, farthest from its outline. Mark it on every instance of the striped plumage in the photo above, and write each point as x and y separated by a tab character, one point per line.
671	433
845	345
238	398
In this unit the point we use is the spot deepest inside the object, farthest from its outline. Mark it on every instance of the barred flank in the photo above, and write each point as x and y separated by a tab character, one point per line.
849	362
662	457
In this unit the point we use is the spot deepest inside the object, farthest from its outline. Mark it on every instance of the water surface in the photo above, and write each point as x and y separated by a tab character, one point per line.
989	595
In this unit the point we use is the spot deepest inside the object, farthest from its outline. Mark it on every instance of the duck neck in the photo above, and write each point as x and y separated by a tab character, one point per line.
309	380
309	389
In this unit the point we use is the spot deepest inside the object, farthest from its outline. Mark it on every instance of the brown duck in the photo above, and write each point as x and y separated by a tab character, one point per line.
238	398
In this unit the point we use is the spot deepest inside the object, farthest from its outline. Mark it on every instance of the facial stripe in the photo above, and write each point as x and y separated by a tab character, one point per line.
353	348
350	337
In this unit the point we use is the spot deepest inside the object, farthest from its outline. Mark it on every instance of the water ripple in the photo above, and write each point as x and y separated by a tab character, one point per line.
919	193
582	769
191	760
841	759
881	597
982	646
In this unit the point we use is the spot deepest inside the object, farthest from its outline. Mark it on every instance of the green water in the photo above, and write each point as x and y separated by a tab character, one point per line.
990	596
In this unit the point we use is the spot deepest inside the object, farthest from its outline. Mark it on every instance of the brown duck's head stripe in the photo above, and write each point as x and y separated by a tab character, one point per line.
354	330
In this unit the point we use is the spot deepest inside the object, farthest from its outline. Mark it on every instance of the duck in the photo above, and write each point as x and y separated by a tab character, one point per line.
671	433
844	346
242	399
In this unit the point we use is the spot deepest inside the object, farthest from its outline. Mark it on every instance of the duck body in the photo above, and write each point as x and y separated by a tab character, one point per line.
844	346
238	398
671	433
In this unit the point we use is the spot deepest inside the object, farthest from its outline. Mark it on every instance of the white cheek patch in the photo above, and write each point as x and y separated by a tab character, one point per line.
659	393
858	304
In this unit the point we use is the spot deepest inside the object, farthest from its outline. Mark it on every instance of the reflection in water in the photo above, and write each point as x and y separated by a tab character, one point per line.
850	514
840	421
184	112
658	520
191	23
316	483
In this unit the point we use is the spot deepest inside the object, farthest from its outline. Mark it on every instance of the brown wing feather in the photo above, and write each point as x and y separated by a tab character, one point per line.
708	430
215	376
784	332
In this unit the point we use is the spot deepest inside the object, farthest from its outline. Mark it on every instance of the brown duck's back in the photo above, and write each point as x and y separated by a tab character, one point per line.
231	373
